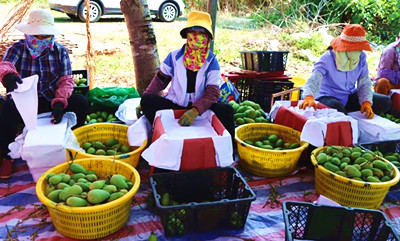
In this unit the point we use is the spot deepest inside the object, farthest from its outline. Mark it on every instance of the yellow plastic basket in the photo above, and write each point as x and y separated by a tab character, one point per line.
349	192
95	221
102	132
268	163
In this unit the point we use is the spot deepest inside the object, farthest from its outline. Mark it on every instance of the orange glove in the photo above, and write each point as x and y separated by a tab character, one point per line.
308	101
366	107
188	117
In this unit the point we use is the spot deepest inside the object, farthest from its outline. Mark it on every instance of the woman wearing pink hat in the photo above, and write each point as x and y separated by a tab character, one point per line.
340	77
39	54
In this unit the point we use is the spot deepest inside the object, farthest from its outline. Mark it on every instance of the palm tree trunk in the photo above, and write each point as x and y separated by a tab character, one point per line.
143	41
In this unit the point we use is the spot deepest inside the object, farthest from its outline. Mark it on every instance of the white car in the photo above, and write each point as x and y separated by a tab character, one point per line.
165	10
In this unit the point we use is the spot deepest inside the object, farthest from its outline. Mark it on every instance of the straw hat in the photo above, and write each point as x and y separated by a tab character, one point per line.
40	22
352	38
198	19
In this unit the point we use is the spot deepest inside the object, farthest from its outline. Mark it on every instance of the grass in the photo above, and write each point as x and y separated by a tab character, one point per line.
232	35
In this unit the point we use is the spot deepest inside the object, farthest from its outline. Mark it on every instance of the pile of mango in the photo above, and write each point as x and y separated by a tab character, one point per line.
83	188
100	116
390	117
273	142
356	164
248	112
393	157
82	82
110	147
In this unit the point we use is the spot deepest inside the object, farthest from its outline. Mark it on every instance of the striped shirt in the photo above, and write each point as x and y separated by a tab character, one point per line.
49	66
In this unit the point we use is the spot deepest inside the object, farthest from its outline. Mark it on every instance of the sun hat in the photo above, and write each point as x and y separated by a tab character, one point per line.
40	22
198	19
352	38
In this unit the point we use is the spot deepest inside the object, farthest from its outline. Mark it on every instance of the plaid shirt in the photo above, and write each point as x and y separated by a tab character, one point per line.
50	66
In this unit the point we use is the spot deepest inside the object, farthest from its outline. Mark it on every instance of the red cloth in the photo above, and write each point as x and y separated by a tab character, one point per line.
396	101
272	75
289	118
339	133
198	153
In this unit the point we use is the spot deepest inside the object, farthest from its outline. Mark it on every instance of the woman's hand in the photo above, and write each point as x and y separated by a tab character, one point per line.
57	112
188	117
308	102
10	82
366	107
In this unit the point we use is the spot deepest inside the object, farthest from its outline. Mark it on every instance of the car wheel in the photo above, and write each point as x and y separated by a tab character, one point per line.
168	12
72	16
95	12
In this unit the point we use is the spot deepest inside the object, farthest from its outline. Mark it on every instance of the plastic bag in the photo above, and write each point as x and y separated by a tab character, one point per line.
40	158
111	96
127	111
228	91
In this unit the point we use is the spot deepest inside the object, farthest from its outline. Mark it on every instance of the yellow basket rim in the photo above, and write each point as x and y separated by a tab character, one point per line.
390	183
139	149
303	144
91	209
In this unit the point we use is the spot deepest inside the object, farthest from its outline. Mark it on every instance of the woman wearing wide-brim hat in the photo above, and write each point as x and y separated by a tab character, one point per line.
38	54
340	78
194	76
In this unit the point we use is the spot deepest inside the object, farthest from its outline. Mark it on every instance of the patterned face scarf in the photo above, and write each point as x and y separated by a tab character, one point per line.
196	50
37	46
346	61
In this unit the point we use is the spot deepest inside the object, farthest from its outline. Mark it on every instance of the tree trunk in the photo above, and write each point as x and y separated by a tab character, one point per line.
143	41
90	56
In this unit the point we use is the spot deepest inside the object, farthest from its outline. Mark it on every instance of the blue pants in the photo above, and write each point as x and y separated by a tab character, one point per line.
381	103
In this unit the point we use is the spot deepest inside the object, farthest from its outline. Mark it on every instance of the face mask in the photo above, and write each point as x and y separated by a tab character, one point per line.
37	46
346	61
196	50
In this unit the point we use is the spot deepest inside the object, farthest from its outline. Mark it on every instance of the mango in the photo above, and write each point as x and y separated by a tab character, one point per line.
248	120
110	188
49	189
379	164
360	160
86	145
76	202
391	158
110	142
385	179
377	172
367	166
100	152
294	145
269	147
99	184
118	181
352	171
111	152
49	175
62	185
336	161
125	149
98	145
115	196
130	185
279	143
77	176
366	173
165	199
373	179
272	138
66	178
64	195
368	156
331	167
91	150
97	196
345	159
84	186
354	155
91	177
75	190
54	195
56	179
76	168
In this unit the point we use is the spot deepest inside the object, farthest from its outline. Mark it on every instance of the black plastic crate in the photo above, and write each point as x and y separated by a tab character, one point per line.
308	221
203	200
264	60
383	146
81	74
263	90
